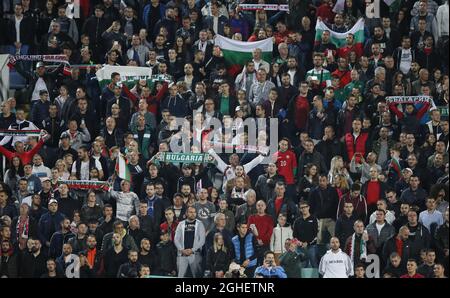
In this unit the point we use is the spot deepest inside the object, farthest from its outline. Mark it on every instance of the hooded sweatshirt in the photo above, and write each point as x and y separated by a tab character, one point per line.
336	265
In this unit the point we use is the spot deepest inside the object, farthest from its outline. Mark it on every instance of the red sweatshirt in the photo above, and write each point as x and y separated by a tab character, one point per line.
25	157
264	224
373	193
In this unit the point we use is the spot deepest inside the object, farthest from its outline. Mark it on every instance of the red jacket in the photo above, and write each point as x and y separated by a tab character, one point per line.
356	146
25	157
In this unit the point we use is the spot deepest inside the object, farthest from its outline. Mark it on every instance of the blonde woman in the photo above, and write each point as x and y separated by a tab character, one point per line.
261	19
341	184
337	167
218	258
61	166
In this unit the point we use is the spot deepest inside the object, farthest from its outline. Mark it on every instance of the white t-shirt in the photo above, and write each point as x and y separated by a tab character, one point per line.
379	227
84	170
17	23
405	61
40	85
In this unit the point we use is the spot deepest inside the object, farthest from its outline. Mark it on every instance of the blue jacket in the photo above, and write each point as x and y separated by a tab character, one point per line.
56	243
40	112
208	23
45	225
177	106
273	272
146	12
249	249
34	184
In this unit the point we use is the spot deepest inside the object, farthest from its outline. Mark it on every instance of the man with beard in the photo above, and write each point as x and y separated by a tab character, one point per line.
380	38
93	257
189	240
33	262
66	260
60	238
131	268
8	260
147	256
115	256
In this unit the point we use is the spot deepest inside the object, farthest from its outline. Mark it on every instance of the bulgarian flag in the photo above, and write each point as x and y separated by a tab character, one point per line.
338	39
236	53
122	168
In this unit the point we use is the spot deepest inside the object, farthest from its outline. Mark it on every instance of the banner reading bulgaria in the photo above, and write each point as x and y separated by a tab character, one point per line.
409	99
185	157
339	39
236	53
85	184
22	133
128	74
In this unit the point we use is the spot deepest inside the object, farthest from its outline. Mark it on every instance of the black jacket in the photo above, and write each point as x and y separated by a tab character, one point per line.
54	127
441	239
27	31
306	230
112	261
33	267
430	61
91	119
129	270
151	259
32	77
418	240
167	253
390	246
96	270
330	148
218	261
344	227
324	202
11	266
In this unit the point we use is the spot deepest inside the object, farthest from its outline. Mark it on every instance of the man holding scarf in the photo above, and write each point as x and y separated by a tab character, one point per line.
360	244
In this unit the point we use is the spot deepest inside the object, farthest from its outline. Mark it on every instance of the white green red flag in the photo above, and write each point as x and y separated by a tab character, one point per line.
122	170
236	53
339	39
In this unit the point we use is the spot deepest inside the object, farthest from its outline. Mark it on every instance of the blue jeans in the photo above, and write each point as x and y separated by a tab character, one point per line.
311	254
